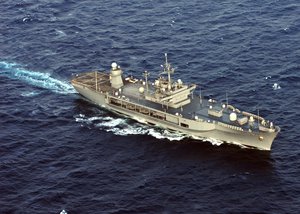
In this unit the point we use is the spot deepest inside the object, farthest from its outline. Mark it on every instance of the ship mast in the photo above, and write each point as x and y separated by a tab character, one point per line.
146	74
96	82
168	70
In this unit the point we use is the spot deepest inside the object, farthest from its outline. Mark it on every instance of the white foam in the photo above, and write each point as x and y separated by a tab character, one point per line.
119	126
42	80
29	93
63	212
129	130
240	145
91	119
213	141
140	120
60	32
165	134
111	123
53	19
26	19
88	120
276	86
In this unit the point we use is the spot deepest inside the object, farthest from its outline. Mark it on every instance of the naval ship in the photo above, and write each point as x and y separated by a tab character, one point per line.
171	104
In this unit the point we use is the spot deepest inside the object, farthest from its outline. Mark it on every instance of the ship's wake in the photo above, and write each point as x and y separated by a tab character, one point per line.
38	79
124	127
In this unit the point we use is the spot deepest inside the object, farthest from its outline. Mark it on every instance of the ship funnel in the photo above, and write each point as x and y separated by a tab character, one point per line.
116	76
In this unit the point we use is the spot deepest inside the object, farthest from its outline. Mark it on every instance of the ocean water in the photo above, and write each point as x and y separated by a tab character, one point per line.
59	152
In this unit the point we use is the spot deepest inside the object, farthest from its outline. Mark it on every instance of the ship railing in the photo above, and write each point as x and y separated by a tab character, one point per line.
80	83
253	115
233	108
248	114
230	126
99	85
265	129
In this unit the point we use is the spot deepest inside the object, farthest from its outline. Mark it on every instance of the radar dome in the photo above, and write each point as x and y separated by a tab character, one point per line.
251	119
114	65
141	90
179	82
233	116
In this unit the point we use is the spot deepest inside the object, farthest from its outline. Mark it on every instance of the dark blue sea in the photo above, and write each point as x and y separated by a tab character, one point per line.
59	152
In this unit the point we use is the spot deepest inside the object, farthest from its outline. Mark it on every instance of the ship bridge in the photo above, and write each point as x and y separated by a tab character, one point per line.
174	94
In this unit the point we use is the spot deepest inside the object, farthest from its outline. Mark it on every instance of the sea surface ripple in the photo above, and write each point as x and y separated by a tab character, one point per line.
59	152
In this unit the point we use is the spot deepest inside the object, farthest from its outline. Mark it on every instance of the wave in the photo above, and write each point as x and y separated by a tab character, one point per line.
213	141
39	79
29	93
122	127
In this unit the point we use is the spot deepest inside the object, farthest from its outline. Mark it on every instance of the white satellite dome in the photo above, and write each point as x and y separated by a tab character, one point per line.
141	90
251	119
114	65
233	116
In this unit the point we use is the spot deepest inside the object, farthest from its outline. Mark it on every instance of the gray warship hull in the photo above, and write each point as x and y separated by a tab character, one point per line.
192	118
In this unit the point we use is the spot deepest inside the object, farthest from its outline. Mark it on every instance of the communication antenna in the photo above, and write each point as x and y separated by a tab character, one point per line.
226	98
258	124
200	95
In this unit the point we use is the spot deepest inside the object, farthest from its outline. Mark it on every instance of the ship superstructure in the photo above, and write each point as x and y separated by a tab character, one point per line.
172	105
